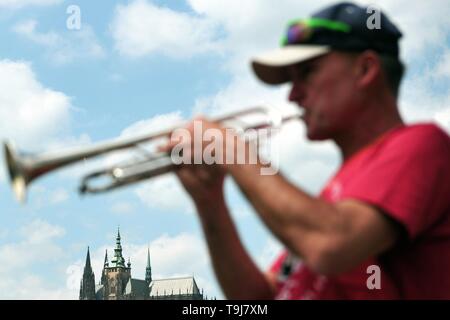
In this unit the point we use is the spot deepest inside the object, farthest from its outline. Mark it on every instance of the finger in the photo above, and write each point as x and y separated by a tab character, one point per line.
196	176
203	174
173	142
164	148
187	176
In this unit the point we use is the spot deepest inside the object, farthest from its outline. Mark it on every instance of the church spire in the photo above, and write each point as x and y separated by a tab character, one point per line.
105	266
87	289
118	260
106	263
87	266
148	270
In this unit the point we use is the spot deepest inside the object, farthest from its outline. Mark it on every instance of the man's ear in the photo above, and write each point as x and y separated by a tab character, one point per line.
368	68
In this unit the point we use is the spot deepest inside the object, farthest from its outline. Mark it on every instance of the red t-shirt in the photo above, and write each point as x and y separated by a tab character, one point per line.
406	173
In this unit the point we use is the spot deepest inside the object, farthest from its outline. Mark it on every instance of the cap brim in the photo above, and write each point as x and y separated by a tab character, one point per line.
271	67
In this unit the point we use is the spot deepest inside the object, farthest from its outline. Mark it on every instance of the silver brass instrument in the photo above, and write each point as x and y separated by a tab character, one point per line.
24	168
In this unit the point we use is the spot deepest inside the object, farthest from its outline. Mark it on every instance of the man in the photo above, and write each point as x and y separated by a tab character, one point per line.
386	212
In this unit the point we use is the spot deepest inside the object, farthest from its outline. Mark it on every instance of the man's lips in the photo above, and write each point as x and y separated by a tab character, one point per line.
305	116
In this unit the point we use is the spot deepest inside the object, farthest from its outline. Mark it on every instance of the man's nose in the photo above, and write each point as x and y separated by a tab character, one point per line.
297	93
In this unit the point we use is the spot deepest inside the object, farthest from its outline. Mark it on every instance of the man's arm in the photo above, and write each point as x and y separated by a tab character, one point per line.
237	274
330	238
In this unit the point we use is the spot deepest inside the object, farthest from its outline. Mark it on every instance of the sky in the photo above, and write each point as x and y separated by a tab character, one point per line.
131	67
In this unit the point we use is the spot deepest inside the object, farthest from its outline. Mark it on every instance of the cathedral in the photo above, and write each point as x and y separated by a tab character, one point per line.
116	282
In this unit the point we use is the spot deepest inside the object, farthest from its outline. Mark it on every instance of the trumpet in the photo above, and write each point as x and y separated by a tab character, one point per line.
23	168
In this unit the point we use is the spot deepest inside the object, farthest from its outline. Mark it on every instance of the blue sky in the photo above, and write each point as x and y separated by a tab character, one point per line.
136	66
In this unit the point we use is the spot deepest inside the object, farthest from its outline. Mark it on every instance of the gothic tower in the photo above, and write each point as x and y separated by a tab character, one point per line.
105	266
87	287
115	275
116	282
148	270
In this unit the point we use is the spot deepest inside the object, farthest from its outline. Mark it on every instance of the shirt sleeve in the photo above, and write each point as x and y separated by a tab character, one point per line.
408	178
275	268
277	264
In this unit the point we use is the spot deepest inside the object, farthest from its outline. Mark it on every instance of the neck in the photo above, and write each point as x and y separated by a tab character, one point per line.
369	127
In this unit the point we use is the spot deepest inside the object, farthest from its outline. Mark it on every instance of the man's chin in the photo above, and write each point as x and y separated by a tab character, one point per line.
316	136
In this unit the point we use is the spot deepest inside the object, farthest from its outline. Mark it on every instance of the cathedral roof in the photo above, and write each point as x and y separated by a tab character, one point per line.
99	292
139	288
185	285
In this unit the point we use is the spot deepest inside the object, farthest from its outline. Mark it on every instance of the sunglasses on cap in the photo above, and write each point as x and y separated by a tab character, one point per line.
301	30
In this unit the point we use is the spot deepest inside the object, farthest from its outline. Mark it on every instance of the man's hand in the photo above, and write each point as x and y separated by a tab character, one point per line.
203	182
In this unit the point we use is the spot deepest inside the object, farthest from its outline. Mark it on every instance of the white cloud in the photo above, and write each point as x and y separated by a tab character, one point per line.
40	196
18	260
32	287
30	113
40	231
28	29
156	124
58	196
234	28
16	4
4	233
165	193
239	212
62	47
253	25
425	94
142	28
122	208
184	253
442	68
424	25
157	192
443	118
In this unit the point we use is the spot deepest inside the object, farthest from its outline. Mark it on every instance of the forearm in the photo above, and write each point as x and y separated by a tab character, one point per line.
238	275
299	220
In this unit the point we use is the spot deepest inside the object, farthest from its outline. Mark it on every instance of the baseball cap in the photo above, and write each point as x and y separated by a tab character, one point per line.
343	26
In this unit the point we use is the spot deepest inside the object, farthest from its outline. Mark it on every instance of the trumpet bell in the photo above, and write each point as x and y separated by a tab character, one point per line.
17	175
